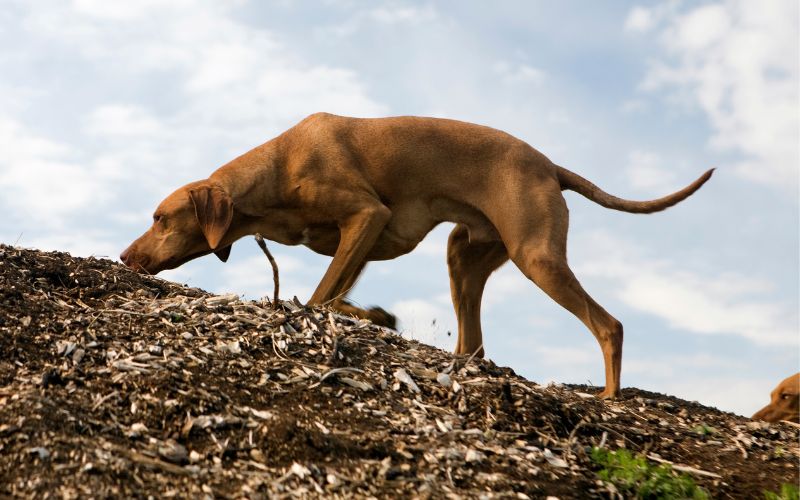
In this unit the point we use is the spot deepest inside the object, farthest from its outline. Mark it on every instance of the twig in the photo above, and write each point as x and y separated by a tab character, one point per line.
583	422
684	468
275	348
346	369
275	279
607	428
741	448
474	354
335	342
342	294
156	463
603	439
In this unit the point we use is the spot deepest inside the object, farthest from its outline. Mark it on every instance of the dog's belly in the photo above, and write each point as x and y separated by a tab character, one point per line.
409	225
321	239
389	245
480	228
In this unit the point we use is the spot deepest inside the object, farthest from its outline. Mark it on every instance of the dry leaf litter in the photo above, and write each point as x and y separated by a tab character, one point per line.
114	384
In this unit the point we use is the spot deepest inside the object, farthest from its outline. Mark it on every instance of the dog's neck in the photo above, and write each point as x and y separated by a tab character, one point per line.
257	171
284	226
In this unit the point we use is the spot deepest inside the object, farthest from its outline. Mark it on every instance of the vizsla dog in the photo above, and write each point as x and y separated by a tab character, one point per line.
371	189
785	402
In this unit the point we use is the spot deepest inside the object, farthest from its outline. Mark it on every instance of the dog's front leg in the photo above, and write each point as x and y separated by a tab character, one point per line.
375	314
358	234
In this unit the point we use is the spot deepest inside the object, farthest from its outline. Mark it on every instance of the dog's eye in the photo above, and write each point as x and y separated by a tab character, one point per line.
157	218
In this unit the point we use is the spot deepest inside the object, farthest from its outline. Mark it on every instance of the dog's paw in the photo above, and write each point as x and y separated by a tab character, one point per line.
608	395
382	318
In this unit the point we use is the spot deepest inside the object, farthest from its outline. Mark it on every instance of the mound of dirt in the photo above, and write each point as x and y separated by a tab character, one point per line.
123	385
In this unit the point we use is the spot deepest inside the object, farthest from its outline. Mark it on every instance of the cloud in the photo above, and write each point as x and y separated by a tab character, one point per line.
226	72
42	181
252	277
662	367
724	303
645	173
382	17
743	396
122	11
403	14
504	285
568	358
172	98
124	121
632	106
78	243
515	73
737	62
639	19
428	320
541	359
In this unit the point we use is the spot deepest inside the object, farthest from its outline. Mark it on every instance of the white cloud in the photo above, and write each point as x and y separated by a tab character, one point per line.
738	62
703	305
559	116
632	106
252	277
743	396
403	14
235	75
665	368
41	179
78	243
428	320
544	360
123	11
701	28
120	120
729	303
232	86
513	73
639	19
505	284
435	243
645	173
568	358
383	16
223	64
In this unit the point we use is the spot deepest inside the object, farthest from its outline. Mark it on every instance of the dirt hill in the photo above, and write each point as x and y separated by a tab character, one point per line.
122	385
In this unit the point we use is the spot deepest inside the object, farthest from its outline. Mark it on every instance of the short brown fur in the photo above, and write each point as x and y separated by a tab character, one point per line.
371	189
784	402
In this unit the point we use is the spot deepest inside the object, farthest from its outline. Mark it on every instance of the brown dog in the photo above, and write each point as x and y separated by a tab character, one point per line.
371	189
784	402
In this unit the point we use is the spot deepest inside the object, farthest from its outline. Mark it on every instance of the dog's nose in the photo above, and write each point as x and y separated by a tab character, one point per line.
124	256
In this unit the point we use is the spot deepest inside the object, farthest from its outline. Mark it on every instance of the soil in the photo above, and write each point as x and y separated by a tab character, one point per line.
116	384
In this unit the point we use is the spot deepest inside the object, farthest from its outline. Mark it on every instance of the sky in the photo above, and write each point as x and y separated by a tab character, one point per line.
106	107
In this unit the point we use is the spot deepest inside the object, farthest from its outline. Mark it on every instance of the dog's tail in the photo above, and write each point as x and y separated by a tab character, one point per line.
574	182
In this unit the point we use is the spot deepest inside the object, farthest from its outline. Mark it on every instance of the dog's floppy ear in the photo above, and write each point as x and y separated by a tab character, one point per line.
214	210
223	253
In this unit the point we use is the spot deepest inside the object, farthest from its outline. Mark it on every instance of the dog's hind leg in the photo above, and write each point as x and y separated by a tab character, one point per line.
538	246
470	265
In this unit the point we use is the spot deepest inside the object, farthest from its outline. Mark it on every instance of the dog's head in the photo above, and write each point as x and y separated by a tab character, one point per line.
189	223
785	402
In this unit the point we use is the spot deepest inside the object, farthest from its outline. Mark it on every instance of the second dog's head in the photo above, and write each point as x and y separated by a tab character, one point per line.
785	402
189	223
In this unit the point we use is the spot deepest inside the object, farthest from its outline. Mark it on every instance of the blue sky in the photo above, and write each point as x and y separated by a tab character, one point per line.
106	107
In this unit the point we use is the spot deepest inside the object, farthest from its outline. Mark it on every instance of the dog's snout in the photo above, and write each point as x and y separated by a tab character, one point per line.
132	259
